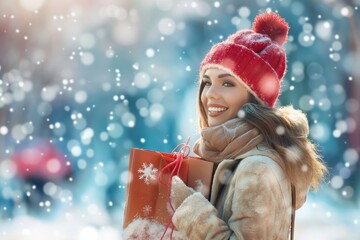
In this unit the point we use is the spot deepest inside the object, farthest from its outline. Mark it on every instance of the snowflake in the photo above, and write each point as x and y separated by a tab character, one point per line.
200	186
147	172
147	210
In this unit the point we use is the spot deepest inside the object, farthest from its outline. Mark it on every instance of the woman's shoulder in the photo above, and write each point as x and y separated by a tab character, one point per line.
260	170
261	165
262	155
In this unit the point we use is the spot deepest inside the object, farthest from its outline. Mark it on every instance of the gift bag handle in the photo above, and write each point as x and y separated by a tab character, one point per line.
175	166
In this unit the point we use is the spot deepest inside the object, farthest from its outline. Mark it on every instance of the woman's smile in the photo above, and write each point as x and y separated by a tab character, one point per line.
215	110
222	97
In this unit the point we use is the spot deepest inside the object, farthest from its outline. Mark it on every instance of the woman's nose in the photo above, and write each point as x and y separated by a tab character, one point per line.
213	92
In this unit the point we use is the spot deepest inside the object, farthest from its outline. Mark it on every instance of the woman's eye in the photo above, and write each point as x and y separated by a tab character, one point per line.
228	84
207	83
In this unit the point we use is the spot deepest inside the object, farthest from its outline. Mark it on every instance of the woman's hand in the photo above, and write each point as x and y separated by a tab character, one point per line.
179	192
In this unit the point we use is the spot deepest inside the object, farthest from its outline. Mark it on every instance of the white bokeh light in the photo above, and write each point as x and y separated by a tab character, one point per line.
53	165
87	58
142	80
4	130
166	26
80	96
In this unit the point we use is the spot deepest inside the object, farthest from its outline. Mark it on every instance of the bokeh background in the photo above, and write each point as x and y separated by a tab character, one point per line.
83	81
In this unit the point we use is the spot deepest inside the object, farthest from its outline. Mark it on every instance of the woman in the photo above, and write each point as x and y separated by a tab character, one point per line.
261	152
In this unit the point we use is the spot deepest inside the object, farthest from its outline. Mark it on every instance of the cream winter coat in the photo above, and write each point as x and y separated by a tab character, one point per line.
250	199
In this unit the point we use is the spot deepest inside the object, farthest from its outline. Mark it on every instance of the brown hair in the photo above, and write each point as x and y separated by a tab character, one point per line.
286	130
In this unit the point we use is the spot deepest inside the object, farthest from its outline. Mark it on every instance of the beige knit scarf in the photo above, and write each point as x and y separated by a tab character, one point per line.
227	141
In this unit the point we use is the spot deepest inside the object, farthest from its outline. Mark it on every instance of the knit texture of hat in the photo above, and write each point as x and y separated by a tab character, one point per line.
255	57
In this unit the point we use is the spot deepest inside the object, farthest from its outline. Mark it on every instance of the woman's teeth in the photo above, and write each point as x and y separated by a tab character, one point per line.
216	109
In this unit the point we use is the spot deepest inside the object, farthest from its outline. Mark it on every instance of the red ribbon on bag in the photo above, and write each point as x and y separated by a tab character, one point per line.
174	167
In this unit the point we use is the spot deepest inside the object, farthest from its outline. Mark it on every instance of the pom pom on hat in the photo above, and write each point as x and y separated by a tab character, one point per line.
272	25
255	57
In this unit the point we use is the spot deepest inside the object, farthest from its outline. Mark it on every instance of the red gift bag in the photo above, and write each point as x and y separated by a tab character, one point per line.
147	197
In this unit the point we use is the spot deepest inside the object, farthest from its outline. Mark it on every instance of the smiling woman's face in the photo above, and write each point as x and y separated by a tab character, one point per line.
222	96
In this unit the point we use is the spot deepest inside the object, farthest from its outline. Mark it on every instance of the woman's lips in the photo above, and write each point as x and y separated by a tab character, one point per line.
215	111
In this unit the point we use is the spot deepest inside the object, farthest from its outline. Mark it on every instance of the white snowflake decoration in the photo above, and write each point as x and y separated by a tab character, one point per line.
147	210
147	172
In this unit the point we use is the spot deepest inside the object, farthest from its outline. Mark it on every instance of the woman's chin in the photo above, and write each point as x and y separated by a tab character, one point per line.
216	122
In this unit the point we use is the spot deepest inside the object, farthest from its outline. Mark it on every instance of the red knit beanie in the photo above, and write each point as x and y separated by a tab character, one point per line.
256	57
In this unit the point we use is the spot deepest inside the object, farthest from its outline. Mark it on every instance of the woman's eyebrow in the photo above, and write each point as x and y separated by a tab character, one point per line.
224	75
219	76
